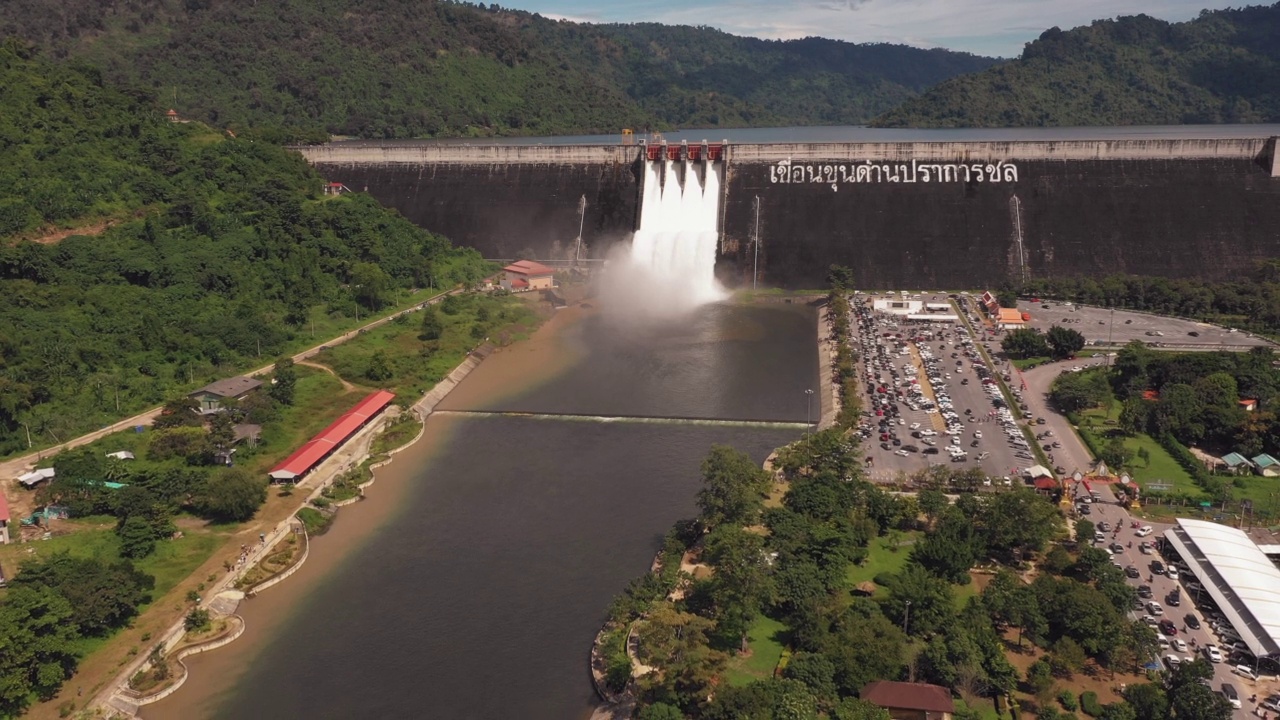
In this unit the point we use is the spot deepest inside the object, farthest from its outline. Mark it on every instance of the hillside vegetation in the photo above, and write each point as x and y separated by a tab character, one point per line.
1222	67
396	68
224	254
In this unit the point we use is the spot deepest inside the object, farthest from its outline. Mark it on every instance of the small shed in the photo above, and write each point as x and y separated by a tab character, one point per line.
1248	404
1237	463
35	477
1266	465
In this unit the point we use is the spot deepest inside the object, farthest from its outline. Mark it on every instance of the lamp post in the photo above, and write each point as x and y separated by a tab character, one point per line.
755	265
906	619
808	411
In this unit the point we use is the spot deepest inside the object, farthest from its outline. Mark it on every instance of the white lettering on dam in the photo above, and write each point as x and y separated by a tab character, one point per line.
785	172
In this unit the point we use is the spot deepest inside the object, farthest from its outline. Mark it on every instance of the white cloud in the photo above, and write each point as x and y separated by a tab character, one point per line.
988	27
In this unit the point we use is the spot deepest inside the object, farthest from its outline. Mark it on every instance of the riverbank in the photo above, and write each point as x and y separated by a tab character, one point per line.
347	459
199	693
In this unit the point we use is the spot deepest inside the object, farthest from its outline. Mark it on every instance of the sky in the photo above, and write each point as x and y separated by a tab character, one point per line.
986	27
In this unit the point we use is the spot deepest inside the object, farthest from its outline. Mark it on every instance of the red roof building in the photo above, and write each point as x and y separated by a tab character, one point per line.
307	457
528	275
910	701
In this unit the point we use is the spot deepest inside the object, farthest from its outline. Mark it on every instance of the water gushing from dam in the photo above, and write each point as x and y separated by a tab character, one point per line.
678	235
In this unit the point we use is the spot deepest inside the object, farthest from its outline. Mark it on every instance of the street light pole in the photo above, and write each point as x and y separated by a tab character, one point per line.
1110	330
906	620
755	265
808	410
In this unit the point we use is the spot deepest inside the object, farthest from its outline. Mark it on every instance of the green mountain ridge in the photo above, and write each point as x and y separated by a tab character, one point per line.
1222	67
396	68
227	254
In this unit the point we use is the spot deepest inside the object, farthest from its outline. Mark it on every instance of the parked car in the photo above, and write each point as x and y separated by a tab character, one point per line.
1168	628
1191	621
1213	653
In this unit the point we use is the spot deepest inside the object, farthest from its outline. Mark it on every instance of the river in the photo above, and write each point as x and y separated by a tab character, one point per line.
470	584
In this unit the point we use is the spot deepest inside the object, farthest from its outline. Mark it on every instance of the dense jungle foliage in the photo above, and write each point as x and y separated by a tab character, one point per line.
222	251
394	68
1222	67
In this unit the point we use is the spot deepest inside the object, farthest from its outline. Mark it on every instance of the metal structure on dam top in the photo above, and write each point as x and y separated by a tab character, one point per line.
902	214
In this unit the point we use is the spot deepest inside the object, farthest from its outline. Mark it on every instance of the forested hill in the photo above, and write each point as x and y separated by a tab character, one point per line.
1222	67
223	254
409	68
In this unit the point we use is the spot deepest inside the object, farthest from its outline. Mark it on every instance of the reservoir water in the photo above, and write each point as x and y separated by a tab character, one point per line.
472	581
858	133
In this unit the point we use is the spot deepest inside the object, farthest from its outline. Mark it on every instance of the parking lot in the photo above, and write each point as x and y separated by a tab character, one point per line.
931	399
1172	602
1097	325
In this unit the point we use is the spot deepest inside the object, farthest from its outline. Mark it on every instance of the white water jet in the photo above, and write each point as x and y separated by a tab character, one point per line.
675	248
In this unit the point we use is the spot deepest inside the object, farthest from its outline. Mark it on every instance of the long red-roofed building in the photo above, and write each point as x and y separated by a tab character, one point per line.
307	457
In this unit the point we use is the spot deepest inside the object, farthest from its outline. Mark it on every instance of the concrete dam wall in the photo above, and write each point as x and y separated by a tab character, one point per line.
902	215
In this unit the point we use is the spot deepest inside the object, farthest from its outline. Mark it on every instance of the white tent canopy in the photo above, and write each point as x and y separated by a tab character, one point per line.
1037	471
1237	575
35	477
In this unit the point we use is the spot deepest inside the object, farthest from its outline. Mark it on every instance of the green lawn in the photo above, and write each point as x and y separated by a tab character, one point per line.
1158	467
882	558
1027	363
766	641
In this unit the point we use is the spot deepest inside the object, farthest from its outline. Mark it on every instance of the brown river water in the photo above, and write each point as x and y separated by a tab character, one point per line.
471	581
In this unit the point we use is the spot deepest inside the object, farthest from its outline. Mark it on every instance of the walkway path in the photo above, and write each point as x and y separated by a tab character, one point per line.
345	385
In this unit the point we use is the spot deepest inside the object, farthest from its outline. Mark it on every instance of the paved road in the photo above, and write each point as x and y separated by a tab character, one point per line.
1073	455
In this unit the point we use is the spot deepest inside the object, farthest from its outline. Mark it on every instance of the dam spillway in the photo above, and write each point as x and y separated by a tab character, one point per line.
900	214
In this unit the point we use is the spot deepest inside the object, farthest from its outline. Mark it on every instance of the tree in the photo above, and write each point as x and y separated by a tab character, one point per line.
137	539
196	620
1024	343
102	596
369	284
951	549
1064	342
857	709
38	641
816	671
231	495
1115	453
379	368
660	711
863	645
676	642
733	487
1067	657
1189	699
1018	521
179	412
432	327
840	278
1134	415
929	599
740	583
1072	392
1147	700
284	381
932	503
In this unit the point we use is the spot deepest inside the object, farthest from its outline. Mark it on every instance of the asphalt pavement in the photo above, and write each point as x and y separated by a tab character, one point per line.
1161	586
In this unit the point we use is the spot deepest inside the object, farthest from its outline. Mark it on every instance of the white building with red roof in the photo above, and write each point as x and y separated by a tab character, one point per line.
527	275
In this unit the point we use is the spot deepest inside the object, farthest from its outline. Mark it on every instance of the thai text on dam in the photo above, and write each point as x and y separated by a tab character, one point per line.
785	172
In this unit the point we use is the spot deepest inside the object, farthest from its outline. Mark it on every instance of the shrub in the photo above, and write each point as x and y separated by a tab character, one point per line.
1089	703
1067	700
197	619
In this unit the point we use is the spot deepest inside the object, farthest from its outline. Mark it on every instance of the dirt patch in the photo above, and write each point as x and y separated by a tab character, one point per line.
52	236
1093	677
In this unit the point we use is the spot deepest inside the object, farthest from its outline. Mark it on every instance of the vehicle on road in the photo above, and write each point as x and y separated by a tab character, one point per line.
1192	621
1132	572
1157	567
1232	695
1167	627
1213	653
1245	671
1155	608
1179	644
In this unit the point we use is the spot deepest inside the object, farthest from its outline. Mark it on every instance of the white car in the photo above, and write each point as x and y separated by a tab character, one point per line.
1144	531
1213	653
1171	572
914	426
1179	644
977	434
